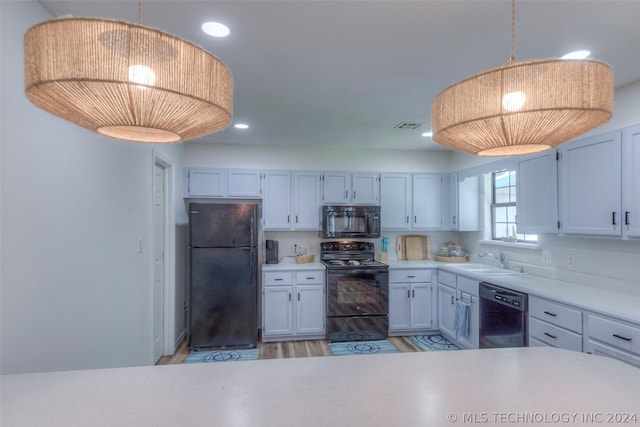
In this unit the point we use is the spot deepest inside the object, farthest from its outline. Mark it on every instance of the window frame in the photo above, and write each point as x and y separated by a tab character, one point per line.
520	237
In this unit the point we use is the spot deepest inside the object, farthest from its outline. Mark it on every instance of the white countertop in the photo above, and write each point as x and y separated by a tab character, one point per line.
289	263
501	386
622	306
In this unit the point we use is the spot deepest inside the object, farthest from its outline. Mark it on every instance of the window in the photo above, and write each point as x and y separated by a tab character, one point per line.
503	209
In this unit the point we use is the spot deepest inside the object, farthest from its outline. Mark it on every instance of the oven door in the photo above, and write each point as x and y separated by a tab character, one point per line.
357	292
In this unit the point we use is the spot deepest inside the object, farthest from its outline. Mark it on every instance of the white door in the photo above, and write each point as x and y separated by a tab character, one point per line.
365	189
276	200
446	310
427	199
310	315
590	187
278	311
421	316
336	188
159	220
399	306
395	201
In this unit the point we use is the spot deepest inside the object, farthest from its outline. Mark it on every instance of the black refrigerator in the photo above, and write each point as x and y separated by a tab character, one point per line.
223	261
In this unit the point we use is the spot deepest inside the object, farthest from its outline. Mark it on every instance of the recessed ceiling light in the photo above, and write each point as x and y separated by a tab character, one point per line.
215	29
241	126
428	134
578	54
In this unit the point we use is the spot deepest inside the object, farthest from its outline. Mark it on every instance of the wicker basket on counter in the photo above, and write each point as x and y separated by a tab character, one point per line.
304	259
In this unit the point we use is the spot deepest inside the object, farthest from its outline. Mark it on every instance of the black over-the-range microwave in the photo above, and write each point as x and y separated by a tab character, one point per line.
350	221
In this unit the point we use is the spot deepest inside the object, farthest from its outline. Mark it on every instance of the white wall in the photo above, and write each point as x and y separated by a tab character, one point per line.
75	292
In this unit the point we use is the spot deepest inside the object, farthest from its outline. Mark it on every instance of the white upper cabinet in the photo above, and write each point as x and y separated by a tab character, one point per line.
537	194
306	200
410	201
631	182
590	186
227	183
243	183
395	201
346	188
427	201
276	203
461	203
365	188
205	182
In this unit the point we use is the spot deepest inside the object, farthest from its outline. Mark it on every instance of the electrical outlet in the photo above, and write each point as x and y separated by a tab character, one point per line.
546	257
571	261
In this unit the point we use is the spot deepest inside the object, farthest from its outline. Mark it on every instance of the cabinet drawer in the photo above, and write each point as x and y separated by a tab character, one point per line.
447	278
599	349
556	314
553	335
403	276
614	332
468	286
308	277
278	278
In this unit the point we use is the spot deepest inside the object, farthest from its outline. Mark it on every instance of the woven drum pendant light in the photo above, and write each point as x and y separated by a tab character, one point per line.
126	81
523	106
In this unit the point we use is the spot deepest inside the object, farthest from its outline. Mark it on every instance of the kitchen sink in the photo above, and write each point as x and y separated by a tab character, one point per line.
492	271
474	266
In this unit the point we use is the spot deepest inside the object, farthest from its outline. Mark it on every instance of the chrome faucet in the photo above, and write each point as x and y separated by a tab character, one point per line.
498	256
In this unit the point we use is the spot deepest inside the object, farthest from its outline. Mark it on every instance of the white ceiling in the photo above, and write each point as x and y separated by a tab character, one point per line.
344	73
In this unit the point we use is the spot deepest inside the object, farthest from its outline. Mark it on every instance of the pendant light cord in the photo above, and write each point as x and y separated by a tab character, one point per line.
513	30
139	12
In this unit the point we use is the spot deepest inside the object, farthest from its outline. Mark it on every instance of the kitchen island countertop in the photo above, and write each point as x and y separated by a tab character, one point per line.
538	385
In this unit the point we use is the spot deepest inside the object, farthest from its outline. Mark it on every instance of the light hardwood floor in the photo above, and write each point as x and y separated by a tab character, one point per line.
287	349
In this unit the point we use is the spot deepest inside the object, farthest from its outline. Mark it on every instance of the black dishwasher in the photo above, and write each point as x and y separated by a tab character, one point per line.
503	317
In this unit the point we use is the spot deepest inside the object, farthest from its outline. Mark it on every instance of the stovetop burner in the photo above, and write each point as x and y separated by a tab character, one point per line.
349	254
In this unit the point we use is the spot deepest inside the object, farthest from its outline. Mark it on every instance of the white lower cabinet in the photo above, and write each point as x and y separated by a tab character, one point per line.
293	305
451	289
411	302
612	337
554	324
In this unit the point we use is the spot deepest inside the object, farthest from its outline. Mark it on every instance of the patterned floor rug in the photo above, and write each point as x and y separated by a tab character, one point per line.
362	347
435	342
222	355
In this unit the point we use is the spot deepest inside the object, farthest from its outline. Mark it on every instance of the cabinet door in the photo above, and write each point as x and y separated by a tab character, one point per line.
306	200
427	201
336	188
278	310
446	310
276	202
421	313
310	315
450	202
399	306
537	194
590	188
631	181
203	182
473	339
365	189
395	201
243	183
468	202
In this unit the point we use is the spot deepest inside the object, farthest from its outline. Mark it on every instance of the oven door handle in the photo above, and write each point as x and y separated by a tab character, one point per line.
356	272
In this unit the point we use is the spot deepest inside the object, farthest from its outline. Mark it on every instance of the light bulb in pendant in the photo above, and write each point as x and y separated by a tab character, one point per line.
142	74
513	101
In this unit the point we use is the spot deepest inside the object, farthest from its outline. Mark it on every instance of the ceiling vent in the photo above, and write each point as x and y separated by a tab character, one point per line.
408	125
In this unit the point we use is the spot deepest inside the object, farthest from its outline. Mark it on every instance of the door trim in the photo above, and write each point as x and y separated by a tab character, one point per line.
169	321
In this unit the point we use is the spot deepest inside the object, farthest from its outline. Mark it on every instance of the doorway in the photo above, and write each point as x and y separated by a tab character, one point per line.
163	235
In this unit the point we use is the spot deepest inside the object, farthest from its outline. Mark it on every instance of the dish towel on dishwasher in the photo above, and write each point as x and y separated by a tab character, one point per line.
461	322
